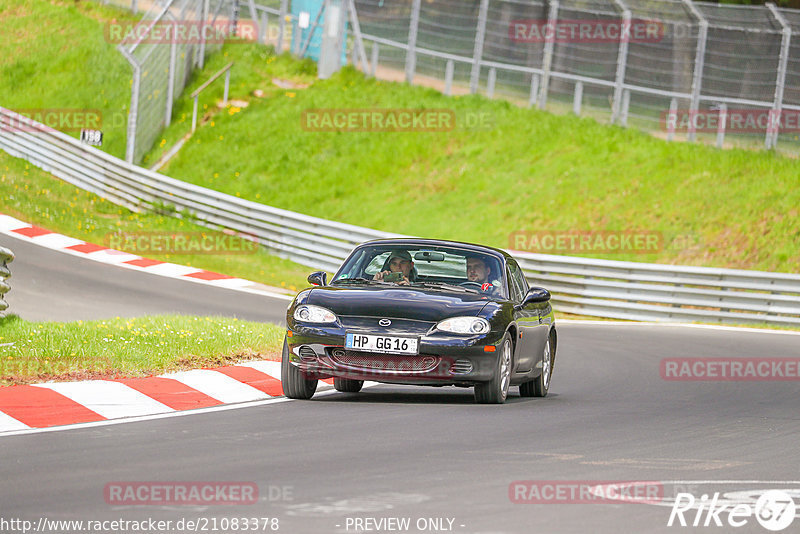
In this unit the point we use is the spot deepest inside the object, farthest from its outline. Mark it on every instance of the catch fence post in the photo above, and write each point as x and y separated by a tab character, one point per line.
411	53
547	59
477	53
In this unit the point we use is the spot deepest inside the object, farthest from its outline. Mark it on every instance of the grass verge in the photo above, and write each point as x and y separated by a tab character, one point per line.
115	348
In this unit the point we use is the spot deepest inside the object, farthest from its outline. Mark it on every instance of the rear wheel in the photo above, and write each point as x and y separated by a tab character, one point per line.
295	384
347	385
539	386
496	390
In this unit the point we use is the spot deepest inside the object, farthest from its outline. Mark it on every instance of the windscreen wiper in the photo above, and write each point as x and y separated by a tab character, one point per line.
359	281
444	285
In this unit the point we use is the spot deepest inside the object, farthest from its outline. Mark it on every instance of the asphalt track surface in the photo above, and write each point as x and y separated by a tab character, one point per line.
409	452
49	285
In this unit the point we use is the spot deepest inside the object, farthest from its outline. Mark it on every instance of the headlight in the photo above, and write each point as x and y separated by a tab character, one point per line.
314	314
464	325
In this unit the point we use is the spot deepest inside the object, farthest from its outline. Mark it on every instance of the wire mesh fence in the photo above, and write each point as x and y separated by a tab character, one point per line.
171	39
684	70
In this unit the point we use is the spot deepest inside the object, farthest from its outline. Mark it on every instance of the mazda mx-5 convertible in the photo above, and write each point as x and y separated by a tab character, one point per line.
421	312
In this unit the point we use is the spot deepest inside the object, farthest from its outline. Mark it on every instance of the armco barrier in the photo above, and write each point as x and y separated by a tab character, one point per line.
602	288
6	257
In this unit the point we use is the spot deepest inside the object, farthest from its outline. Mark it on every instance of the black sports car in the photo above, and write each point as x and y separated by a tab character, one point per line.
423	312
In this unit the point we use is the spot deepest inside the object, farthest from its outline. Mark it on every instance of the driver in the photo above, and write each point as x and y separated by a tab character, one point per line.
478	272
399	262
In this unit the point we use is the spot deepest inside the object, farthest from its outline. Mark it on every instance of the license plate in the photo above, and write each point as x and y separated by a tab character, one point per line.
384	344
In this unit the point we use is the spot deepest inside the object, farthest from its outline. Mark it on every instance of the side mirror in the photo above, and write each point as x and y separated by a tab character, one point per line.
535	296
319	278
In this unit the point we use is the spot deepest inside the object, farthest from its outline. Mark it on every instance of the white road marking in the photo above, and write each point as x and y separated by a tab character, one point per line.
109	399
56	241
217	385
681	325
172	269
8	423
254	291
730	482
231	283
112	256
8	224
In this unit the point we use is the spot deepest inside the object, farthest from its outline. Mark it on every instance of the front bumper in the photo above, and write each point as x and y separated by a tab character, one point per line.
443	359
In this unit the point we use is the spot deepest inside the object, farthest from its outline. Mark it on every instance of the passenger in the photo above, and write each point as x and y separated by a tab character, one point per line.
399	261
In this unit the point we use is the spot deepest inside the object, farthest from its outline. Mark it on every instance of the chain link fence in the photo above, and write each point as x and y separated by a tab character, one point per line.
723	74
172	38
684	70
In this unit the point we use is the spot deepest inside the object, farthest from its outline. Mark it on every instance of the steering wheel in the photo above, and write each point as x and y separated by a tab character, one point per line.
473	285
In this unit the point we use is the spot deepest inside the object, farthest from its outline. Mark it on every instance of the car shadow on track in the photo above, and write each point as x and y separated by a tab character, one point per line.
381	395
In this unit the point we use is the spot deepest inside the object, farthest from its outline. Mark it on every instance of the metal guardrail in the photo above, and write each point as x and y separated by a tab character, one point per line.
603	288
6	257
653	292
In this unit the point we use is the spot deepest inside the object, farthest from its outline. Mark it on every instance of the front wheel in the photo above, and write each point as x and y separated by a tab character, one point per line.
346	385
496	390
295	384
539	386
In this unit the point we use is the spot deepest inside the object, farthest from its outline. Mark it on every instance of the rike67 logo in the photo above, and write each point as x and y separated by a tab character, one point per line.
773	509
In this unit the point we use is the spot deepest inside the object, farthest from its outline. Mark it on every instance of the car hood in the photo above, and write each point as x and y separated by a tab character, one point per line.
403	303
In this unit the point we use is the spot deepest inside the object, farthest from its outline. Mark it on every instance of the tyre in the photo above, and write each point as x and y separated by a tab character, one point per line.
539	386
346	385
295	384
496	390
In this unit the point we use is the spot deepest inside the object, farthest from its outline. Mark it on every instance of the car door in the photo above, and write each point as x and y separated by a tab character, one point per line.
532	332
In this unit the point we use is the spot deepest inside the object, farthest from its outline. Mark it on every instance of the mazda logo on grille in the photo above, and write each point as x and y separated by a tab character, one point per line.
384	322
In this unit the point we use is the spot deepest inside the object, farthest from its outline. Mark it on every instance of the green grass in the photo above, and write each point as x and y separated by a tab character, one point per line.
54	55
532	171
36	197
254	69
40	351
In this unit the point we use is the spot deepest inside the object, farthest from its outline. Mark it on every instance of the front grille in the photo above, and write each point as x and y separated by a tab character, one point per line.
307	354
461	367
386	362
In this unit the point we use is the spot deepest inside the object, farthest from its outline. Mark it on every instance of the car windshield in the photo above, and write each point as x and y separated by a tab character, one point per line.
446	268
